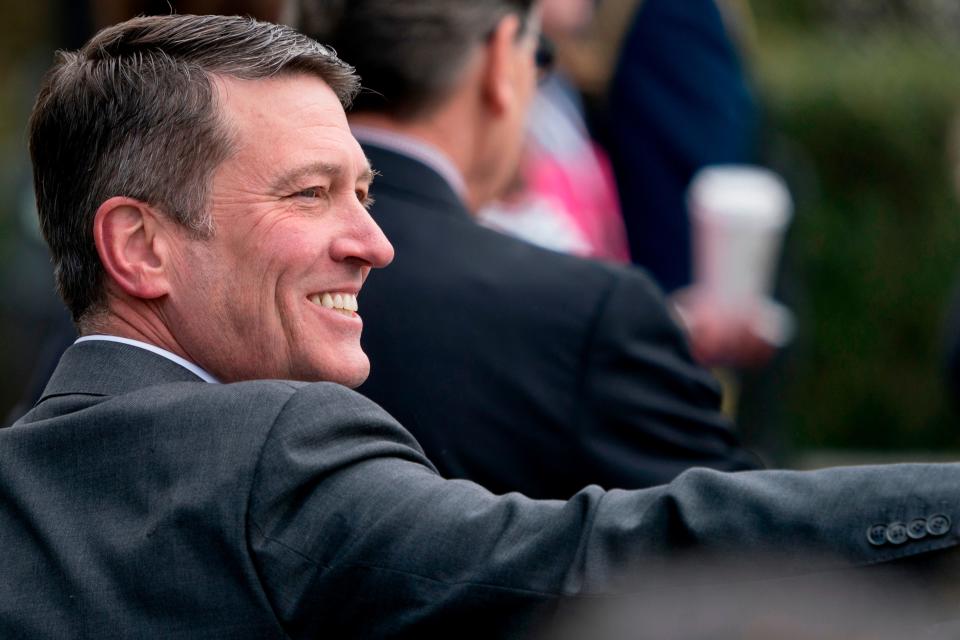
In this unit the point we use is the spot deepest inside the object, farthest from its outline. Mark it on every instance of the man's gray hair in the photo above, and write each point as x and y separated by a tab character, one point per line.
134	113
408	52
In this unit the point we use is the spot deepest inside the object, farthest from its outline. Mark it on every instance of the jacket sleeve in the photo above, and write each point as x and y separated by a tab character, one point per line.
354	535
648	411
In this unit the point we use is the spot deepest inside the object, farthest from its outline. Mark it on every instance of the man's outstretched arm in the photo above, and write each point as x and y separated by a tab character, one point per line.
355	535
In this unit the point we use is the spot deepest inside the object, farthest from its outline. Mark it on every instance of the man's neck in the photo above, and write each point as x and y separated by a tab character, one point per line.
122	320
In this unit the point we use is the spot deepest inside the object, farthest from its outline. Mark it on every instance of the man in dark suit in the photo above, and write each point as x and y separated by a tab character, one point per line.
516	367
203	198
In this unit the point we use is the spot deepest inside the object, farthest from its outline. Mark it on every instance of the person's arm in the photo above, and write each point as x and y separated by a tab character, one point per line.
648	411
354	535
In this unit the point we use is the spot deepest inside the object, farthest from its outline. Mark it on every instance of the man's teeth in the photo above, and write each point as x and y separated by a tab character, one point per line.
343	302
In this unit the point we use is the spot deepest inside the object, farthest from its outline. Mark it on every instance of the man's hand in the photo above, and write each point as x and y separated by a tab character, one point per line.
741	336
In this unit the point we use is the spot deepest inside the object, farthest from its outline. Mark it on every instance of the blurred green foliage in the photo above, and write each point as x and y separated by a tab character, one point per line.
24	53
786	15
24	29
867	117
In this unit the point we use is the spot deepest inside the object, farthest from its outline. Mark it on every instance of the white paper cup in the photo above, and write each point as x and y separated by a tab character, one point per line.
739	214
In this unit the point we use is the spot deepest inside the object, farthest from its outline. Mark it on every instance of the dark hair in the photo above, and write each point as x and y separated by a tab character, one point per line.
134	113
407	52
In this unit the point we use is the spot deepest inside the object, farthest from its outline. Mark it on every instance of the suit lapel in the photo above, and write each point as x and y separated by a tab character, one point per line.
110	368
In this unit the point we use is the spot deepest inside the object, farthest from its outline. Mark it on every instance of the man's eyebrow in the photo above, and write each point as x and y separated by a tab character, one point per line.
292	179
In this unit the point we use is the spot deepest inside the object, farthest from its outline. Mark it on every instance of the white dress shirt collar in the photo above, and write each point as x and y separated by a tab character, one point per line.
186	364
414	148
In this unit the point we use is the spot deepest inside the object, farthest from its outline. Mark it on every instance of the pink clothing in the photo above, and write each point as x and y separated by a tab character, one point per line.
584	192
568	198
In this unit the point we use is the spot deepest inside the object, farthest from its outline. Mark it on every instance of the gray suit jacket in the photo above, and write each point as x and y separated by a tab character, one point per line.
137	501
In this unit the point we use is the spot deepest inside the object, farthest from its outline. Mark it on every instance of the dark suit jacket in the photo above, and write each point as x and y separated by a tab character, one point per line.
524	369
137	501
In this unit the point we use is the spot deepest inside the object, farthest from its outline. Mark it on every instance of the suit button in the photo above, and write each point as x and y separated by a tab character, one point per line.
917	529
938	525
877	535
897	533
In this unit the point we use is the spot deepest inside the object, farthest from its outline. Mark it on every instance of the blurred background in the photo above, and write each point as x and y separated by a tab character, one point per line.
862	100
860	104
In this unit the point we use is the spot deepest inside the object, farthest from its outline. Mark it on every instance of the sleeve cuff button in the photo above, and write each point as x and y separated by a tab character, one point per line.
877	535
897	533
917	529
938	525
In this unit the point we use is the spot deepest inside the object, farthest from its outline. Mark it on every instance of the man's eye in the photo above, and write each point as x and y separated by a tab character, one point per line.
312	192
365	199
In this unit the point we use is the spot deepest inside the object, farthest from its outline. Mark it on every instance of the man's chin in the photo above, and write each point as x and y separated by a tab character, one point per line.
350	373
355	380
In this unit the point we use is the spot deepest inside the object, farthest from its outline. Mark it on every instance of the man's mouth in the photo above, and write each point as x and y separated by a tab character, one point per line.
345	303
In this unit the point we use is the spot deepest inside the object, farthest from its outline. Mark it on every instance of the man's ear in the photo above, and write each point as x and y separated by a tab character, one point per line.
499	86
131	241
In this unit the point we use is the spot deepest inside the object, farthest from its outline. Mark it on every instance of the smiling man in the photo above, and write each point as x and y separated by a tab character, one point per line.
204	203
290	247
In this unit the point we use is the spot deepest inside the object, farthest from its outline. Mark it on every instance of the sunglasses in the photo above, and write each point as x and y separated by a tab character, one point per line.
544	56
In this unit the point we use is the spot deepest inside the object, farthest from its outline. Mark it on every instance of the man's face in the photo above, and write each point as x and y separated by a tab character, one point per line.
272	294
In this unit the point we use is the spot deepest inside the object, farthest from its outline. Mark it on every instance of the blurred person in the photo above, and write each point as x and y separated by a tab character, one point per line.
565	196
203	200
678	100
670	95
559	371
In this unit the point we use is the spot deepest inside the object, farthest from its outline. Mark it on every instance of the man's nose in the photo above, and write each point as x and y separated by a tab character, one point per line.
364	242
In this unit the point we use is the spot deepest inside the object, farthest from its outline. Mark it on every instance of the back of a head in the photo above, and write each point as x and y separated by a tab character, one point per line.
408	53
134	113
